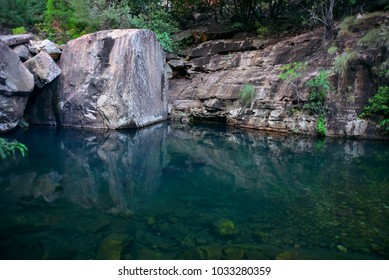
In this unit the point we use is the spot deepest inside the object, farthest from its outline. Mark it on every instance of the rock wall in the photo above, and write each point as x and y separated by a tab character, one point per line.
112	79
207	87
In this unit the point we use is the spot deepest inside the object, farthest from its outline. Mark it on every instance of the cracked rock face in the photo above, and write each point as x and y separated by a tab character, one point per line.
112	79
16	83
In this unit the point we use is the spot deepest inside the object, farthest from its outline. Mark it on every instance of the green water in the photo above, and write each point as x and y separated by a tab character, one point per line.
171	192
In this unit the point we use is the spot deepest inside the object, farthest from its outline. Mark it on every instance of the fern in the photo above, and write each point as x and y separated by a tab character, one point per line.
8	148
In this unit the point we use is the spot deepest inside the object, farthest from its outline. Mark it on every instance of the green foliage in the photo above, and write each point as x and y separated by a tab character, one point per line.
345	25
318	89
375	38
332	50
262	30
247	94
378	108
8	148
290	72
321	127
19	30
68	19
343	61
159	21
14	13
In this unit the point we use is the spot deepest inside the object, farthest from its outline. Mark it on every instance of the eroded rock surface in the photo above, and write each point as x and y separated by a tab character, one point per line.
112	79
210	87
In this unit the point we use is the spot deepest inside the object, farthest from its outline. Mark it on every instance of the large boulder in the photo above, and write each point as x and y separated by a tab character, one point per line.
112	79
16	83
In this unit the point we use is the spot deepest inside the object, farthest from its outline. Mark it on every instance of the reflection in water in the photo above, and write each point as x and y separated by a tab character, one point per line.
170	192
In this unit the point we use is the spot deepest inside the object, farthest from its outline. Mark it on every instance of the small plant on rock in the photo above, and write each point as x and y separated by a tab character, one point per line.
332	50
378	108
342	62
345	25
375	38
247	94
318	89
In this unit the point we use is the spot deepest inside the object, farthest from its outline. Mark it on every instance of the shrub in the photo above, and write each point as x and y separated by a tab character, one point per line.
378	108
19	30
262	30
318	89
8	148
343	61
247	94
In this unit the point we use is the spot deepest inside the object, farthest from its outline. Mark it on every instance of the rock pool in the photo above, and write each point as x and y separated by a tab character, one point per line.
181	192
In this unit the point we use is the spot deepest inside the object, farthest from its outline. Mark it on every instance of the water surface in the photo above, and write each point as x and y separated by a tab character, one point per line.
172	192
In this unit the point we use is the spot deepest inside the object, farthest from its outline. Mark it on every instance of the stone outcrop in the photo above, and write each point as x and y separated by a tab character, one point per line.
16	83
44	69
112	79
227	46
210	88
13	40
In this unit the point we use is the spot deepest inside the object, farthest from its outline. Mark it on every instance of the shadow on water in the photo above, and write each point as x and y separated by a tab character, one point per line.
181	192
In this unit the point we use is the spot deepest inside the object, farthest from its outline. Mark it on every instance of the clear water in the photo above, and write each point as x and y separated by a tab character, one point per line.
171	192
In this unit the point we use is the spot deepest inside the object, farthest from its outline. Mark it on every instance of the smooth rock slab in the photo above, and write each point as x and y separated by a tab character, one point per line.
112	79
13	40
44	69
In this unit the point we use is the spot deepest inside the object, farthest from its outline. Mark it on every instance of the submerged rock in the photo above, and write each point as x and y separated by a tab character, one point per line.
112	79
111	247
225	227
232	253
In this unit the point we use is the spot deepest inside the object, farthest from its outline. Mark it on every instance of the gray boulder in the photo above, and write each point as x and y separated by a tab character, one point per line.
112	79
44	69
23	52
16	82
50	48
